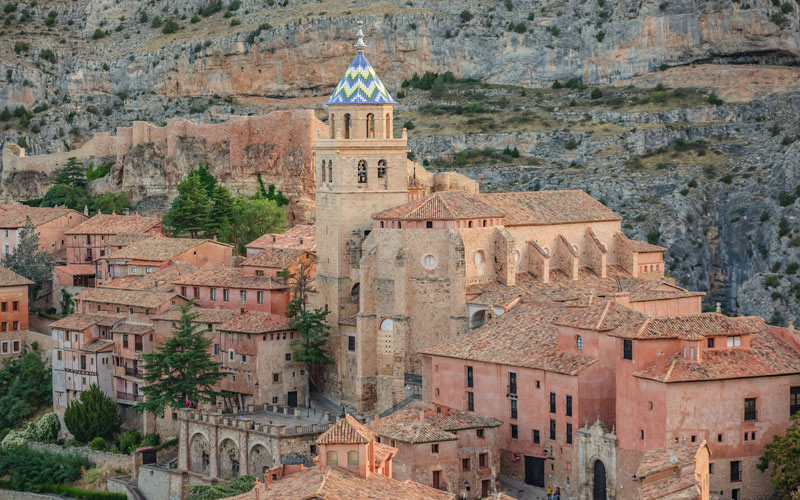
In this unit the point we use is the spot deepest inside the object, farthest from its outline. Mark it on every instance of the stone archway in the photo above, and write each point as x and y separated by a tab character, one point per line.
260	461
477	319
228	462
599	480
198	454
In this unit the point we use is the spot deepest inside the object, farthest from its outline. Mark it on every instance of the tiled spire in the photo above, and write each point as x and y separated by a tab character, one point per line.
360	84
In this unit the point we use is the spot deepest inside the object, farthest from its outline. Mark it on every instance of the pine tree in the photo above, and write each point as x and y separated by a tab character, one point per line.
92	415
67	304
28	261
309	349
190	211
73	174
208	181
180	370
254	217
222	212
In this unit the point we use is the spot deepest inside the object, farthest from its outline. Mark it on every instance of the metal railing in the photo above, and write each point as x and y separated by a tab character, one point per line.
127	396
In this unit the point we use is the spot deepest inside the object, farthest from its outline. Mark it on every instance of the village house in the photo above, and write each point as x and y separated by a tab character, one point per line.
547	370
147	255
13	303
83	355
50	223
444	448
351	464
230	288
676	471
92	239
272	253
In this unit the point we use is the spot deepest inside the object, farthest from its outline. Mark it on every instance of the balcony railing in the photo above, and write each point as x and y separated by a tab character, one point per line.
133	372
127	396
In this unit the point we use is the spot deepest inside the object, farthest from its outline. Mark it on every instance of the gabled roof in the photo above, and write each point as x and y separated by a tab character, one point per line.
157	249
274	258
227	277
79	321
347	430
125	239
532	208
360	85
115	224
255	322
665	458
300	237
442	205
428	423
135	298
10	278
14	216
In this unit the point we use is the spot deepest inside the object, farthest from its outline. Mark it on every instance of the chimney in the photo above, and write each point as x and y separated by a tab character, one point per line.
114	212
273	238
660	361
86	210
719	308
301	240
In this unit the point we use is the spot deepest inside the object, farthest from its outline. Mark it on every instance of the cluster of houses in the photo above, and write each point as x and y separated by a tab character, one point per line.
475	335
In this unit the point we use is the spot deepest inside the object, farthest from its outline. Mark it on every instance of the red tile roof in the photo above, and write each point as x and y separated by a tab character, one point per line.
255	322
10	278
525	336
289	239
204	315
676	488
339	484
135	298
162	280
347	430
768	355
14	216
548	207
227	277
131	328
666	458
115	224
81	322
125	239
157	249
442	205
78	269
423	423
278	258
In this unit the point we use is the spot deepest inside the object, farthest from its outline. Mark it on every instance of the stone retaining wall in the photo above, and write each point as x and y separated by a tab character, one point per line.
99	458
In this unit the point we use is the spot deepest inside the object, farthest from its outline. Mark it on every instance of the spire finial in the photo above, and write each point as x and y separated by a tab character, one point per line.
360	45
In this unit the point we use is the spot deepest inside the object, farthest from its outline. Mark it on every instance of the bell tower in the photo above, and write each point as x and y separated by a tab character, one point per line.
361	169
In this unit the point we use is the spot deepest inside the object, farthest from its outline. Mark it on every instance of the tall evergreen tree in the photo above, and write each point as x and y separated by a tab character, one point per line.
222	212
72	174
92	415
190	211
28	261
180	369
254	217
309	349
208	181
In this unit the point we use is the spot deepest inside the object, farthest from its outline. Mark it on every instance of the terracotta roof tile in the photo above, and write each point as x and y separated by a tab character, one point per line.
676	488
156	249
525	336
347	430
161	280
10	278
80	321
383	452
768	355
14	216
665	458
205	315
227	277
125	239
339	484
78	269
115	224
442	205
548	207
132	328
98	345
289	239
255	322
274	257
135	298
425	423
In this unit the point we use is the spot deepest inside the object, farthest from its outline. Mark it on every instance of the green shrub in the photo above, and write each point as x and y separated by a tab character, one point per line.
571	144
92	415
520	28
466	16
783	228
727	178
653	237
235	22
156	22
98	34
713	99
408	125
151	440
792	268
20	47
94	173
785	199
554	31
28	468
557	85
235	486
600	36
79	494
170	26
45	430
772	281
596	93
129	441
99	444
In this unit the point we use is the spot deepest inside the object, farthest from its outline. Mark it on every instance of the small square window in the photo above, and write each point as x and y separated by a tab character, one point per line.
288	356
434	448
479	433
465	464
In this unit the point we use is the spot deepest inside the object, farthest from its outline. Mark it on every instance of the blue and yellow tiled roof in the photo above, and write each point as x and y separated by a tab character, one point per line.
360	85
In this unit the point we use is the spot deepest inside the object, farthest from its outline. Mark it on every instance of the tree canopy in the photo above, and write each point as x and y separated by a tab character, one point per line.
28	261
72	174
25	386
92	415
782	455
180	369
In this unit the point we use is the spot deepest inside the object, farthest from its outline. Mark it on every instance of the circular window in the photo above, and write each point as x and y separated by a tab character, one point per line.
516	256
429	262
579	342
479	257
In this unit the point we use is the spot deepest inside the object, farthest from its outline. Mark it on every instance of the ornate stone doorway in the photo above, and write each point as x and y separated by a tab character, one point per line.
599	481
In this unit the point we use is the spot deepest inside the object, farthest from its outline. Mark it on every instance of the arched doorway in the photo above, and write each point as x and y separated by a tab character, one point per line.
260	461
599	481
228	460
198	454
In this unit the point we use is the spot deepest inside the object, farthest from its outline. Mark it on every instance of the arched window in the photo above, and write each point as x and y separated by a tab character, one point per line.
470	223
381	169
579	342
387	325
324	170
484	222
388	126
362	171
352	459
333	127
479	257
370	126
330	170
381	224
332	459
347	122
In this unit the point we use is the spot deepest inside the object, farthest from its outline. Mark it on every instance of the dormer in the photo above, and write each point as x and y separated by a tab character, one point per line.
352	446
